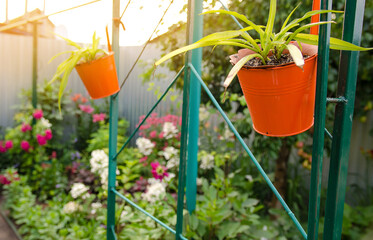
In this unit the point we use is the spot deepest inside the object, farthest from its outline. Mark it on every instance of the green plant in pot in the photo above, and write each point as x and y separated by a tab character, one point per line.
95	66
277	71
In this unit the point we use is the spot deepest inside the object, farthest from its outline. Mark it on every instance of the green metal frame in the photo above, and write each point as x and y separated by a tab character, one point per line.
190	125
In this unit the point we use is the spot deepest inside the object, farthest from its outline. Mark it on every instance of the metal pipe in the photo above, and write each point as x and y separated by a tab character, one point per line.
347	78
194	102
319	125
113	130
36	18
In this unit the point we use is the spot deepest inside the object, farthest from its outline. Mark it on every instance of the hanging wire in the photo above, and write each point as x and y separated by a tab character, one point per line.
125	9
143	49
120	19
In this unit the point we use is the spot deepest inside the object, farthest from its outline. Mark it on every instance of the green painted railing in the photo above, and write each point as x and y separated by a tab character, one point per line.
189	136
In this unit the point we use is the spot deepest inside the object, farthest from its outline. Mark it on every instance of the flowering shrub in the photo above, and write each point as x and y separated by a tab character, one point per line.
29	138
87	120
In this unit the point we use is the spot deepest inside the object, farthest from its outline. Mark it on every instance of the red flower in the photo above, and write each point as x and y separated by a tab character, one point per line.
76	97
83	99
86	108
41	139
38	113
99	117
159	171
4	180
26	127
53	155
48	134
25	145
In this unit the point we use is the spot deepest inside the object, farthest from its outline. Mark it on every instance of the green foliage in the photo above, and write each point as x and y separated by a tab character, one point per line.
99	139
80	55
48	221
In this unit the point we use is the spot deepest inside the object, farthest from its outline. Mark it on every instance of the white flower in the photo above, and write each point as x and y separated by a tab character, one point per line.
169	177
104	175
45	123
203	114
71	207
154	191
145	146
169	130
99	161
78	189
169	152
207	161
249	177
227	135
173	162
199	181
95	206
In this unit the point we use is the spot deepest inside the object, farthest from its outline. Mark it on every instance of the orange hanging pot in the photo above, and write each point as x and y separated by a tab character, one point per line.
99	76
281	98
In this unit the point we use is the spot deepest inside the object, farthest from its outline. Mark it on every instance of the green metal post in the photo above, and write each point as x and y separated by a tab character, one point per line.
353	22
113	131
319	125
184	134
34	64
194	102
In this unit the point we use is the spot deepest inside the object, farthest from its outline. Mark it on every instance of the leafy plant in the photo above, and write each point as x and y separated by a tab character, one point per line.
78	56
269	42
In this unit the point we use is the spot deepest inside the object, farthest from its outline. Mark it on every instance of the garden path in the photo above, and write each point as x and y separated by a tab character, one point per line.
6	232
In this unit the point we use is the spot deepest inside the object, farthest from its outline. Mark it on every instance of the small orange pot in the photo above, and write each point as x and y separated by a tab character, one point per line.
99	76
281	99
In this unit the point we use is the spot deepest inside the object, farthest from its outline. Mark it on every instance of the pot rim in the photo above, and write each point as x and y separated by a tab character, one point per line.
308	49
98	59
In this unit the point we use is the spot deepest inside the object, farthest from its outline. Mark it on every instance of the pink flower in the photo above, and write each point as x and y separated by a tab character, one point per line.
161	135
38	113
26	127
143	159
25	145
86	108
99	117
8	144
159	171
2	147
41	139
48	134
153	134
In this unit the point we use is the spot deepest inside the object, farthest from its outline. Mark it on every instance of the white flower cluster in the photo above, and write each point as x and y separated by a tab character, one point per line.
71	207
156	190
45	123
98	161
169	130
100	164
207	160
145	146
95	206
79	189
171	154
